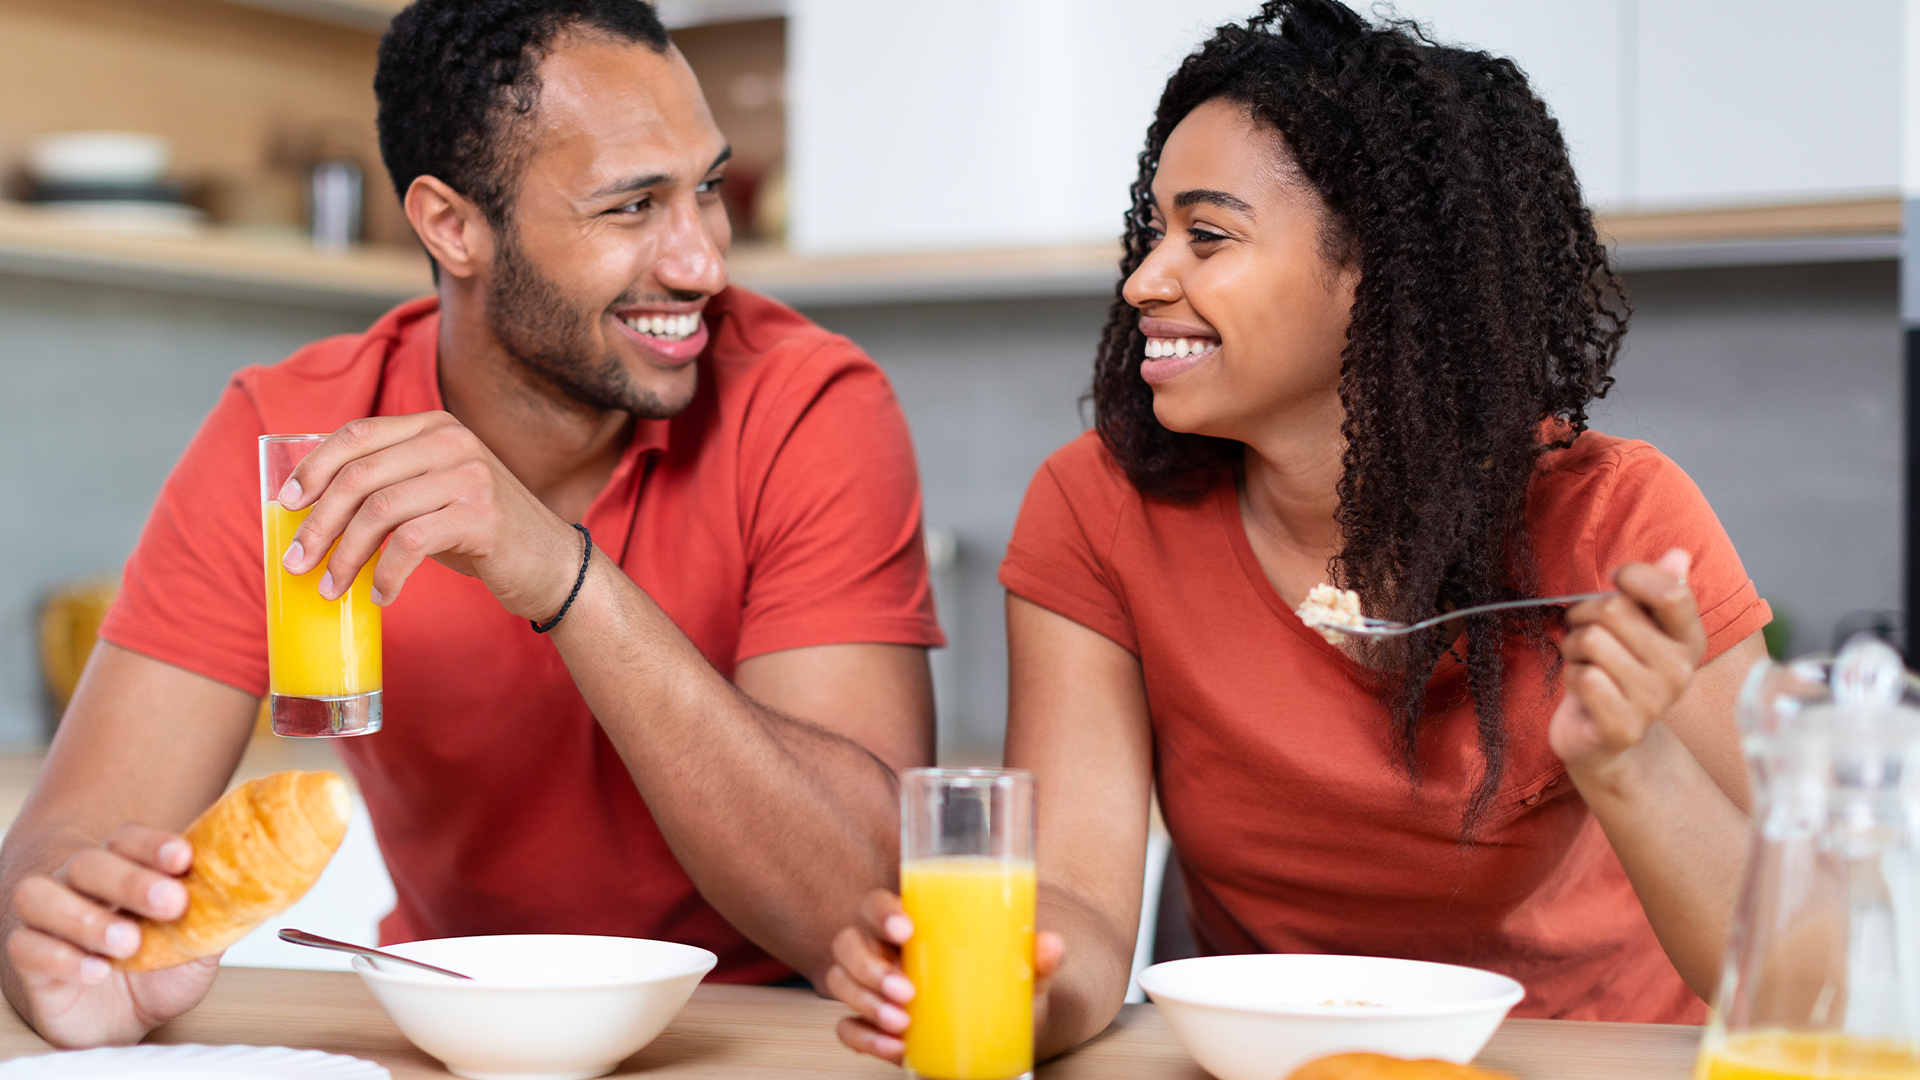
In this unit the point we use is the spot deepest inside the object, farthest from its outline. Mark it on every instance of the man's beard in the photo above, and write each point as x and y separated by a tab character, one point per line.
538	325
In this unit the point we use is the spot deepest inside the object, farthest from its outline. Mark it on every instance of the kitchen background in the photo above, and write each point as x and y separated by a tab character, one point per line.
943	183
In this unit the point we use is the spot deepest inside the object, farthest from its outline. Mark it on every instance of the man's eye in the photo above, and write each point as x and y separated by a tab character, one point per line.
633	207
711	186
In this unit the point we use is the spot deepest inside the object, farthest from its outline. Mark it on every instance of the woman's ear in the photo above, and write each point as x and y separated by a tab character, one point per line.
453	229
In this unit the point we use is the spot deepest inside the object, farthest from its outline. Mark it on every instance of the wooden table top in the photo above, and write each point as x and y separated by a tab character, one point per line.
751	1032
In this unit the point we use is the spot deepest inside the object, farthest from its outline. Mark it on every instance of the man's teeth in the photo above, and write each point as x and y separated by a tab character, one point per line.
668	327
1158	347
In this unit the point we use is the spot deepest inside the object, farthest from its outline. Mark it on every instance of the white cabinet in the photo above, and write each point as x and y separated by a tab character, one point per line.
1015	123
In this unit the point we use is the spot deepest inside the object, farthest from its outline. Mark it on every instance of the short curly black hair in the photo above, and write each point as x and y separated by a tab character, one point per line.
1486	318
458	79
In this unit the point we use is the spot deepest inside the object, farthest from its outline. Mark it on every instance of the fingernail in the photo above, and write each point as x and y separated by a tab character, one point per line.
892	1017
897	987
122	938
899	928
379	598
289	492
175	853
94	970
887	1044
166	895
295	552
326	585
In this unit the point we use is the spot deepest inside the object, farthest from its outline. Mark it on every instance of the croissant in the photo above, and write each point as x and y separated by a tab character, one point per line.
255	851
1381	1067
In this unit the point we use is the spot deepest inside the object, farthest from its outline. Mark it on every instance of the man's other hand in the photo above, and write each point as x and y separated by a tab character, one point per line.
73	922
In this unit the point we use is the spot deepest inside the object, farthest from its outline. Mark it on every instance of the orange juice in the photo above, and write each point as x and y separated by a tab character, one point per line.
316	647
971	963
1820	1055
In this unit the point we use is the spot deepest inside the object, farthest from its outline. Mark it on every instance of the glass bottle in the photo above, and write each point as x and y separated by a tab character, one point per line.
1822	976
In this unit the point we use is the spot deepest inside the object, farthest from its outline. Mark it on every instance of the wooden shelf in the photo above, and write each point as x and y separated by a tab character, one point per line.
230	263
210	262
1798	221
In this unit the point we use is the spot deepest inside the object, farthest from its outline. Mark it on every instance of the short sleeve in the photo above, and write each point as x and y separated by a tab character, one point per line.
192	594
1058	556
831	507
1651	507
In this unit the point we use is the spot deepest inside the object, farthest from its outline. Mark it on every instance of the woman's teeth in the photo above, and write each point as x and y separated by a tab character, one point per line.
666	327
1158	348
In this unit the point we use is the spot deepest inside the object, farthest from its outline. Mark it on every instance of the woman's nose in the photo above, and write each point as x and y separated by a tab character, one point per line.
1153	281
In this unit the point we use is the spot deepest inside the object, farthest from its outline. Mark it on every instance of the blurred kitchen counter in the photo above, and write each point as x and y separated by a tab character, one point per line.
265	754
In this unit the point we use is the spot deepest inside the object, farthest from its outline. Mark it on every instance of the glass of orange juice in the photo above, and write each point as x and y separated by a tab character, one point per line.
323	656
967	882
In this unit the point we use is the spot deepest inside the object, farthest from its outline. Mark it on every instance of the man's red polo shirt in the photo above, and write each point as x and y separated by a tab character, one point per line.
781	509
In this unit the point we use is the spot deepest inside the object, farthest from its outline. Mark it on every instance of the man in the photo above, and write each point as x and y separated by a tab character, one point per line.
704	747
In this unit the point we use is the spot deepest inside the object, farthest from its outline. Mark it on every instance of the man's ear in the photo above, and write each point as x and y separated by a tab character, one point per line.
453	229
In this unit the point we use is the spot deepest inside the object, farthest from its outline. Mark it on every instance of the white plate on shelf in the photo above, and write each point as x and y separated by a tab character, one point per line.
193	1062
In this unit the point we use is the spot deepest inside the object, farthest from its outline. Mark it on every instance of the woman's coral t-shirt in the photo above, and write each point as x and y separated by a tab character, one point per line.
1274	763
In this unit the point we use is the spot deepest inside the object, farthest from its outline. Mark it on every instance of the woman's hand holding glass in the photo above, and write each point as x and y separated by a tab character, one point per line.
866	976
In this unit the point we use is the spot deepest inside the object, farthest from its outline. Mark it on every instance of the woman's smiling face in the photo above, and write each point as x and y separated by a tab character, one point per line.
1240	281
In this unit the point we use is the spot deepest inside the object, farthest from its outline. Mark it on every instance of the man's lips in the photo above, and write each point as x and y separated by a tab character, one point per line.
671	352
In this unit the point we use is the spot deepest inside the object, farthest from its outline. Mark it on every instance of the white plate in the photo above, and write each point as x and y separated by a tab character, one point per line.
191	1062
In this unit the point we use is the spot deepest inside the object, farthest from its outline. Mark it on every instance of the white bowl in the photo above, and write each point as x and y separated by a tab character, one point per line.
548	1006
1261	1017
97	157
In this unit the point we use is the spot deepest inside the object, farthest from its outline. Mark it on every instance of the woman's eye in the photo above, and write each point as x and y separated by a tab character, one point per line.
1155	234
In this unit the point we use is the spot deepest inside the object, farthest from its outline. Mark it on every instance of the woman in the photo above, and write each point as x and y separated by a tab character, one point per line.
1363	317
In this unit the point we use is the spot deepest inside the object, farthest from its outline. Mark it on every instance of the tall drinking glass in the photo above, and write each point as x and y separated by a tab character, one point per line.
323	656
967	882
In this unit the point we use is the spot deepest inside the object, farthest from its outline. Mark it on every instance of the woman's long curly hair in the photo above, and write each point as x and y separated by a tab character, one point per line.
1485	320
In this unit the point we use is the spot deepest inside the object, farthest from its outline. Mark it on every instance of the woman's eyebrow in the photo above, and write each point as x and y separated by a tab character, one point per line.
1213	198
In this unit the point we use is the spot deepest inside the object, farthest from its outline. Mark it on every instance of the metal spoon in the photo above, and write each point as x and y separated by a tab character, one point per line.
1378	628
301	937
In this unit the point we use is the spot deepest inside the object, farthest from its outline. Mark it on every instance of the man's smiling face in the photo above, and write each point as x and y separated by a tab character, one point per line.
617	237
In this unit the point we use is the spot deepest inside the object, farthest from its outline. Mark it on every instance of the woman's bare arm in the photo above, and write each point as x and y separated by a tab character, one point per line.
1077	717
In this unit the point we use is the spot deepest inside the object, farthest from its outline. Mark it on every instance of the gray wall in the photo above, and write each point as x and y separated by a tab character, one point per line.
100	389
1778	389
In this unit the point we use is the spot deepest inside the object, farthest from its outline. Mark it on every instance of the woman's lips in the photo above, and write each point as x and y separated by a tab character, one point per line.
1156	370
670	353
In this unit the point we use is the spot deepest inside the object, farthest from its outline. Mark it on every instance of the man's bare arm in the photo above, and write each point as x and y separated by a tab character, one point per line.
144	747
777	793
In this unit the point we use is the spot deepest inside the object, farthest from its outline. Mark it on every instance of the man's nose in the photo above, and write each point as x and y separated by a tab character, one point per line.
691	261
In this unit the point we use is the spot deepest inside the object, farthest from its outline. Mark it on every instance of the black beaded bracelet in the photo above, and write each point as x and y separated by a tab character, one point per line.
585	558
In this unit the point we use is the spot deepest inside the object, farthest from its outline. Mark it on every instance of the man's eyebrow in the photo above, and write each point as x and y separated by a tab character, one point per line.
1212	198
653	180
